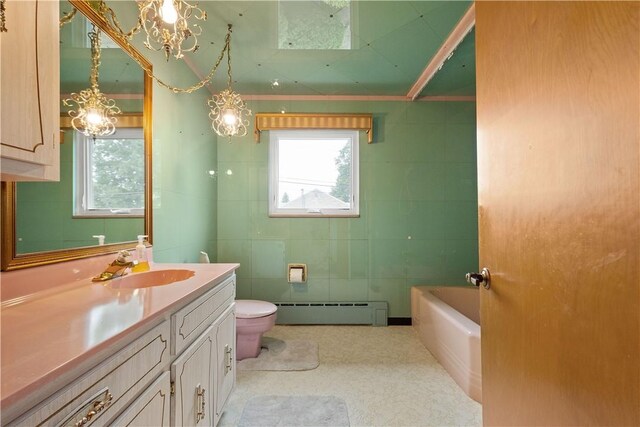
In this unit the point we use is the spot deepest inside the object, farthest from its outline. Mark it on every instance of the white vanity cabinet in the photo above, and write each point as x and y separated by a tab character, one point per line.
98	396
178	373
30	91
204	372
151	408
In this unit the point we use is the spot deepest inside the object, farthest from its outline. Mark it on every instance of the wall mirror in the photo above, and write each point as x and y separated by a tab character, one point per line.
105	184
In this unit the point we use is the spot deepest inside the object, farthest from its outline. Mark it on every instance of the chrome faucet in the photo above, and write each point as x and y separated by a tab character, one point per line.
117	268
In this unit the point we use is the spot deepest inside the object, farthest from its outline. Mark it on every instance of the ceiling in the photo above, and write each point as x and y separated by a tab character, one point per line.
388	44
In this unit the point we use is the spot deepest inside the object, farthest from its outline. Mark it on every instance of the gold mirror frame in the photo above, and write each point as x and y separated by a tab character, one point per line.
13	261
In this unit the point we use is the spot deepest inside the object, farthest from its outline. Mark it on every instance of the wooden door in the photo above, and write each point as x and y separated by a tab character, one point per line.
558	106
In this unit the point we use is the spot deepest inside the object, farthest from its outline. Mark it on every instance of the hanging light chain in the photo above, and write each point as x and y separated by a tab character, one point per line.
3	28
68	17
110	16
94	37
228	46
147	69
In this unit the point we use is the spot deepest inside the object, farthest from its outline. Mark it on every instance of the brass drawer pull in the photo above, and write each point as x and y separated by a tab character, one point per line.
228	358
96	407
200	403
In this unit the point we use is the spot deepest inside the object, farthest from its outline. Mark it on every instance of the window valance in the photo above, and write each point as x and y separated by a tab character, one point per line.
278	121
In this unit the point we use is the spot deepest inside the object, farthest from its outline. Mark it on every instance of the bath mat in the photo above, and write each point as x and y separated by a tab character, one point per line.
279	355
295	411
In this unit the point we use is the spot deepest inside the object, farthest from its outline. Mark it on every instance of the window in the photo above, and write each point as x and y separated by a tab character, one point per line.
313	173
109	174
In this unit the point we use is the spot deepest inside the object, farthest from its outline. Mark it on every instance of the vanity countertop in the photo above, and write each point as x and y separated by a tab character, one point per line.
47	336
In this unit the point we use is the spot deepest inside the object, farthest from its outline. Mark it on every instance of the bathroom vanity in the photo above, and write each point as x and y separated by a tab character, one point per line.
98	354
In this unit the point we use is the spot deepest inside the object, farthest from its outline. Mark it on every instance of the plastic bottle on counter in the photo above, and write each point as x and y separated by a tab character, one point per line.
142	260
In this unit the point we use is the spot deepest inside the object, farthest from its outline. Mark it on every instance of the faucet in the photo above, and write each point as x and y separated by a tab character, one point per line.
117	268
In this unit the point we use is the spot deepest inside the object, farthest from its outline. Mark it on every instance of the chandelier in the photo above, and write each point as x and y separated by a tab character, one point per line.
166	25
94	112
229	114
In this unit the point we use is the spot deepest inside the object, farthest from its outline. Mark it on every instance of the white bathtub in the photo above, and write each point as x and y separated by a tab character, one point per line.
447	320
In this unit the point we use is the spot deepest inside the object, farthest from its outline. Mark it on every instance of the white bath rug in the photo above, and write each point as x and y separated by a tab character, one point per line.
279	355
283	411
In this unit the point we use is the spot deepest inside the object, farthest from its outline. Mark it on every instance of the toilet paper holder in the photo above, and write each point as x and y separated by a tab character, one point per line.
296	273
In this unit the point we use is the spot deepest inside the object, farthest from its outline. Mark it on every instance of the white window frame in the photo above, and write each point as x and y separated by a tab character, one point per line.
82	180
274	146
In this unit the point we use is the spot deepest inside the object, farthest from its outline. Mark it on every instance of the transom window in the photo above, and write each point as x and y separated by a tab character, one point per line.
109	174
313	173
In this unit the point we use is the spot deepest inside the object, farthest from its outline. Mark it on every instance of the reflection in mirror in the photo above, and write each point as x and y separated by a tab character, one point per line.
105	181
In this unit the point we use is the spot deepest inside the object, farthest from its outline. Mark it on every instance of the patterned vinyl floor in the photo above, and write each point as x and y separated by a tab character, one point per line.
384	374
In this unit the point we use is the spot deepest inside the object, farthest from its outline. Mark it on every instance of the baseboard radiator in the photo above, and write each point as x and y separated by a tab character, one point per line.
332	313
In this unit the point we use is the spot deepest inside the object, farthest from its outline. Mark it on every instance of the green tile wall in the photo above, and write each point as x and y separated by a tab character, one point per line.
184	151
418	222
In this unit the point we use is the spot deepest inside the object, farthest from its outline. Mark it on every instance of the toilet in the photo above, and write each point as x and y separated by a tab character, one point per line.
253	318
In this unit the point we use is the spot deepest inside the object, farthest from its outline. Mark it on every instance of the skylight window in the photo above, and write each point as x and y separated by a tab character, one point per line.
317	24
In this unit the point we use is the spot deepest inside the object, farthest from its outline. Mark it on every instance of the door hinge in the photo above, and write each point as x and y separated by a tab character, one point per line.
173	388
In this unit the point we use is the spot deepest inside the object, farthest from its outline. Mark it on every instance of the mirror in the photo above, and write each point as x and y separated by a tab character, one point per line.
105	184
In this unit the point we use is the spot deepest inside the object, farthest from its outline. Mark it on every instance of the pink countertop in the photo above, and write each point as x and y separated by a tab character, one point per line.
48	334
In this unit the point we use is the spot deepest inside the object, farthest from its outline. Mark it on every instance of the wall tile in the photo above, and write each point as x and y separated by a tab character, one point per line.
426	260
426	181
234	219
263	227
233	181
461	220
461	142
387	258
268	259
384	181
309	228
349	290
395	292
425	142
387	219
314	290
349	259
314	253
236	251
349	228
427	220
461	181
273	290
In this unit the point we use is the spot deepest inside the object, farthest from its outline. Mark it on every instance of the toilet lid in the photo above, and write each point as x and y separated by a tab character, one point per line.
249	308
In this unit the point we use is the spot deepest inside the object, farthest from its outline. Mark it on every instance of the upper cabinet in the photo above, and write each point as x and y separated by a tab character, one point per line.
30	108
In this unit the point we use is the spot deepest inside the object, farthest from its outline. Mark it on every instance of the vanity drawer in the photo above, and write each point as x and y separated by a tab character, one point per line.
108	388
192	320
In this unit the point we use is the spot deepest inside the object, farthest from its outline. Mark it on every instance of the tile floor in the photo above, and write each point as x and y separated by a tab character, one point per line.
384	374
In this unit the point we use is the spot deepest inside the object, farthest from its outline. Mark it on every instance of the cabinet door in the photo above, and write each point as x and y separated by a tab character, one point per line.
226	349
30	95
193	375
151	408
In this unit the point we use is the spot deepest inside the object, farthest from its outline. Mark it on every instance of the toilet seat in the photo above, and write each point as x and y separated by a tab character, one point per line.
252	309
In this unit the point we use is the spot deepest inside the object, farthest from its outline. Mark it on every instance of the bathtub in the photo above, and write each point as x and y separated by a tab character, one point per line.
447	320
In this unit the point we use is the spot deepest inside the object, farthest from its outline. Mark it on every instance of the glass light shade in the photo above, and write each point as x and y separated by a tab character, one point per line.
166	24
168	12
229	114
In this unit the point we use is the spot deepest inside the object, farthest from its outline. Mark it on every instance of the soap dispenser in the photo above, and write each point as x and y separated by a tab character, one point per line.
141	256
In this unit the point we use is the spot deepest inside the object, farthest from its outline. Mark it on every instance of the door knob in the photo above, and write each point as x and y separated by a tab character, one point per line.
484	278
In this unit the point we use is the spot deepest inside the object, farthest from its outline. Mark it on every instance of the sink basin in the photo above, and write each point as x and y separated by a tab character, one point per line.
150	279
